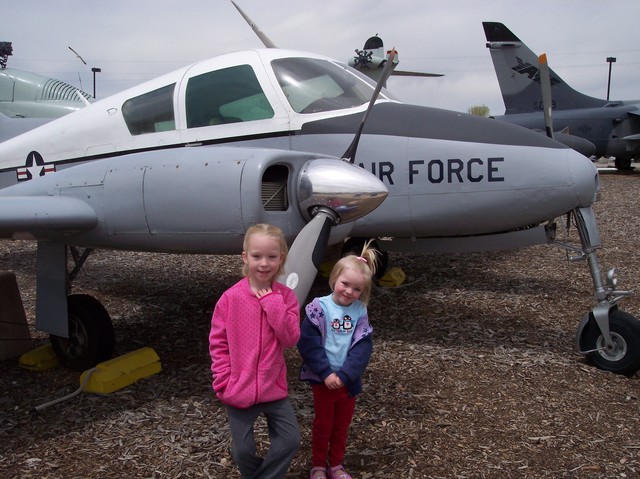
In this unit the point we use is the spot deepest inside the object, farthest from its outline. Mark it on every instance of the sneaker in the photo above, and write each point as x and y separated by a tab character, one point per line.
337	472
318	473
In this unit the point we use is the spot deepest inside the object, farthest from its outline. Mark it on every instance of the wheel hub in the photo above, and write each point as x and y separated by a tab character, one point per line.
615	351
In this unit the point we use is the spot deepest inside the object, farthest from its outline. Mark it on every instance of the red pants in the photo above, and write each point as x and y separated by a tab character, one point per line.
333	414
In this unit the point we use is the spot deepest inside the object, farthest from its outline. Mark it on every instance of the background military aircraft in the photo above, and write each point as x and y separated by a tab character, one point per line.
373	56
613	127
29	100
30	95
186	162
370	60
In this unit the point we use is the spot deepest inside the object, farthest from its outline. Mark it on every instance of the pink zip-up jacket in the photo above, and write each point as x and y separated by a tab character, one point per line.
247	341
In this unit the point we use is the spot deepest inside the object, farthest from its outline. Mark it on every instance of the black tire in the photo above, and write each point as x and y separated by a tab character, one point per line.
91	336
355	245
623	164
625	333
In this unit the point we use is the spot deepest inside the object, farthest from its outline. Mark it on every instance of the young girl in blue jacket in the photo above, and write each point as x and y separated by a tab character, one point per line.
335	345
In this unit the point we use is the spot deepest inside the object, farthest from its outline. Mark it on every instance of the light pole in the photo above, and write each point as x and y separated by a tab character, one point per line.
98	70
610	60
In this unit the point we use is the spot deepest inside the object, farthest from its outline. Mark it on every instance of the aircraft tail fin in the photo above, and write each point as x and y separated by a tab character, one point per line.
517	69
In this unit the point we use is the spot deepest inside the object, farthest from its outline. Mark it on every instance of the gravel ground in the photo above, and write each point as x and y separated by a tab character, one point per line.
473	374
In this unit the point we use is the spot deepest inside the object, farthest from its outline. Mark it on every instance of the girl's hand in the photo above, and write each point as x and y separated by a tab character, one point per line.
333	381
263	292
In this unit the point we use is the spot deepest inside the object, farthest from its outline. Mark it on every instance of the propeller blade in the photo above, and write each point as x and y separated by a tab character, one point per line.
350	154
306	253
545	83
402	73
263	38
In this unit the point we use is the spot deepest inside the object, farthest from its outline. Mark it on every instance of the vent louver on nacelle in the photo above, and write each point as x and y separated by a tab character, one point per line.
274	188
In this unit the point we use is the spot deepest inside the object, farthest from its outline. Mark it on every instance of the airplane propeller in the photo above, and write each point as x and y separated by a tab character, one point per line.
362	59
266	41
545	83
307	252
350	154
565	137
309	247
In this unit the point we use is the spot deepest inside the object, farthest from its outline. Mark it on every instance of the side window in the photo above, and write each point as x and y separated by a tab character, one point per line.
150	112
225	96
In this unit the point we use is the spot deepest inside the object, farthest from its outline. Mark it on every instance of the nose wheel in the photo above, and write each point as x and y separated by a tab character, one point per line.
622	354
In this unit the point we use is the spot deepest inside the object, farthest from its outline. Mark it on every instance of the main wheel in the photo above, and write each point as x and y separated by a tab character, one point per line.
624	356
91	338
623	164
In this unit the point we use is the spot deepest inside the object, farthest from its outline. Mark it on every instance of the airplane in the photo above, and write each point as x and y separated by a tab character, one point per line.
184	163
30	95
613	127
370	60
575	142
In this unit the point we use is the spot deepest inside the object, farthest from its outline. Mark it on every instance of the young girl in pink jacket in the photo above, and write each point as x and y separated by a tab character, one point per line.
253	322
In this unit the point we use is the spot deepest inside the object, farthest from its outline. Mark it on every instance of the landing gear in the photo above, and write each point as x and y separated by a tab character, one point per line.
623	164
622	355
609	338
91	338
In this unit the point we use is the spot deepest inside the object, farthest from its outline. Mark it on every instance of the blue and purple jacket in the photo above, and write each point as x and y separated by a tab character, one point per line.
315	367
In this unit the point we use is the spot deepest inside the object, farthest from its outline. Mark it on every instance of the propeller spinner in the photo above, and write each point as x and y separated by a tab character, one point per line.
330	191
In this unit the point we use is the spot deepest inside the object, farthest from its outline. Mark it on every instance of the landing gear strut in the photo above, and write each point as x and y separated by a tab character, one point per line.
80	328
607	337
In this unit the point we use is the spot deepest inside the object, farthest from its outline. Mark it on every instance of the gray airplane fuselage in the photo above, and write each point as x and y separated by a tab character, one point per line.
170	186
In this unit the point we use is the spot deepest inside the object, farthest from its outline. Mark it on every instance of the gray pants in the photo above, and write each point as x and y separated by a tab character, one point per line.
284	438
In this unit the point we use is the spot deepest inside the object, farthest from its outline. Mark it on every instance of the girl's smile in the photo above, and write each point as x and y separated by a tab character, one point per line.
263	258
348	287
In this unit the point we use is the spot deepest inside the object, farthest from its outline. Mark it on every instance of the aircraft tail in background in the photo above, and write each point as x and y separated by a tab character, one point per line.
517	69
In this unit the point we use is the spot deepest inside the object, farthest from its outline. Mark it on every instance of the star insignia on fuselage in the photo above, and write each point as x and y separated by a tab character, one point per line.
34	166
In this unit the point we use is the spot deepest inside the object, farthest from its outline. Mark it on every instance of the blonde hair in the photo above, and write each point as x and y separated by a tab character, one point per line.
267	230
365	264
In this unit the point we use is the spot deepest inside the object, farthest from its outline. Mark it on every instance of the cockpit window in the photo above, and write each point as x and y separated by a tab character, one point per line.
313	85
150	112
225	96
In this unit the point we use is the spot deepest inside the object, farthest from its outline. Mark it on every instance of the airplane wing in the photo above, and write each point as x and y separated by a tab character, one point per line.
44	216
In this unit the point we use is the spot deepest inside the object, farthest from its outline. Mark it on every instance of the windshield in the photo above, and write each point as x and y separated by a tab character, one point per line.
312	85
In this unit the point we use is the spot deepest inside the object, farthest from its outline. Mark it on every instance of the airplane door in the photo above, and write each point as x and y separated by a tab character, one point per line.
217	101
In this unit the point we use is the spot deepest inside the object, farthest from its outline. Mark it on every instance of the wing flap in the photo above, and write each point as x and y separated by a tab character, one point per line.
44	216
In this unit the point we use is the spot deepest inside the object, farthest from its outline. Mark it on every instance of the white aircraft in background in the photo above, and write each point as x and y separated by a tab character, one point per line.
29	100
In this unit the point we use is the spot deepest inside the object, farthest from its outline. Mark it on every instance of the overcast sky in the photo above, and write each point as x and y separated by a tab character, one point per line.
135	40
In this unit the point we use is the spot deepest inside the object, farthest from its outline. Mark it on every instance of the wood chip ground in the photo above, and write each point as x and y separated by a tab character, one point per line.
474	373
